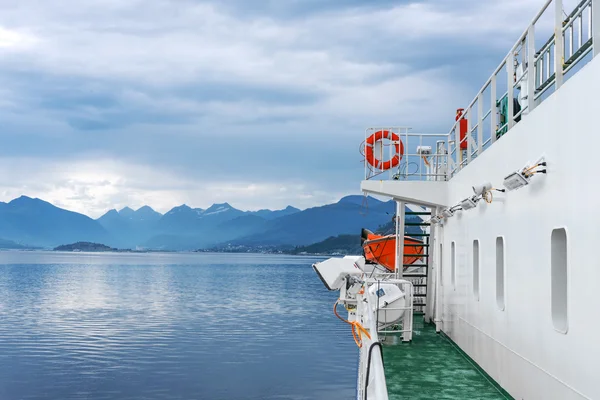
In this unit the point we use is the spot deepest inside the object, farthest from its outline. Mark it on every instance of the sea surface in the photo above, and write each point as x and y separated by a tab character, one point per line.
169	326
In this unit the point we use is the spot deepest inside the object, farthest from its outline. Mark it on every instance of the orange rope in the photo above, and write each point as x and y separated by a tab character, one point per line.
488	197
357	328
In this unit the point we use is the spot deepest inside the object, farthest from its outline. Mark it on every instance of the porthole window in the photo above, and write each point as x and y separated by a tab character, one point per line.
559	280
500	272
476	269
453	264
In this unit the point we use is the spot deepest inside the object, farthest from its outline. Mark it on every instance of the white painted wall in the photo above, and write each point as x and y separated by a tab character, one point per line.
518	346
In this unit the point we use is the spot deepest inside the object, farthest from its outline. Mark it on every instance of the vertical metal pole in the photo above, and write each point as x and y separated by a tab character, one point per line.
421	161
408	319
365	154
431	267
540	69
559	44
449	160
470	146
596	26
510	74
406	152
580	24
571	40
437	317
400	215
531	69
590	19
493	115
458	150
479	123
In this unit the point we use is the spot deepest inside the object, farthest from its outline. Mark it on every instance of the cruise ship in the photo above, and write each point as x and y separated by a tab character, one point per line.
499	301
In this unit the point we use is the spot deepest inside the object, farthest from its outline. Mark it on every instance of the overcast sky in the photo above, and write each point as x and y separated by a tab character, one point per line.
113	103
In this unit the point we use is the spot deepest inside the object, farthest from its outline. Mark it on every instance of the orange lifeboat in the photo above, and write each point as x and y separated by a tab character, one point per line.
381	249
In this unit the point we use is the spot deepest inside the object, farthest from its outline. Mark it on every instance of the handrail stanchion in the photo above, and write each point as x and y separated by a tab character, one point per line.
559	44
449	168
421	163
510	74
493	115
470	146
400	215
480	123
595	25
580	38
531	68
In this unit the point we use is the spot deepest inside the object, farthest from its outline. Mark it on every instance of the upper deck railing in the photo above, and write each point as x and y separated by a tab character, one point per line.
525	77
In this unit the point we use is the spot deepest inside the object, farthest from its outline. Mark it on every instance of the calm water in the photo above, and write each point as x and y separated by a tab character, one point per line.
169	326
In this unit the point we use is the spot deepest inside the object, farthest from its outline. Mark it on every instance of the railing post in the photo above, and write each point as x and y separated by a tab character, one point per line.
493	115
531	70
469	136
449	160
559	44
365	154
408	319
432	265
510	72
596	26
400	217
480	123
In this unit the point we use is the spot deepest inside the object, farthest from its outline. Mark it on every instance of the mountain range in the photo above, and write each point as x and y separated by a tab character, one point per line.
33	222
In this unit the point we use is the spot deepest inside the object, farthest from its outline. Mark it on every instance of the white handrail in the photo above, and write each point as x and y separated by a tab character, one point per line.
540	70
375	387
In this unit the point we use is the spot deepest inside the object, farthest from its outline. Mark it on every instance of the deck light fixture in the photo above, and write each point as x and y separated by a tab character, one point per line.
469	203
448	212
521	177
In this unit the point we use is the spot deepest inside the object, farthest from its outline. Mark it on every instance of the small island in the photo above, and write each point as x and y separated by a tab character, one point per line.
85	246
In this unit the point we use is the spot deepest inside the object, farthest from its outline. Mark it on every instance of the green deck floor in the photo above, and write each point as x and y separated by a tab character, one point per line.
431	367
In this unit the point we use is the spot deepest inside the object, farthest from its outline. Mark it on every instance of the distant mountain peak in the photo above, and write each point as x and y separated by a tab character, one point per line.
219	205
112	212
178	209
22	199
146	213
127	212
37	222
217	208
28	201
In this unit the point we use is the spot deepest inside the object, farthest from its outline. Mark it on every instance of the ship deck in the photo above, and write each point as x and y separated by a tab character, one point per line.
432	367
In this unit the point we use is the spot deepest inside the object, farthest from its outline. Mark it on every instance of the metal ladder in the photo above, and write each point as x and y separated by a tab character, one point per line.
418	273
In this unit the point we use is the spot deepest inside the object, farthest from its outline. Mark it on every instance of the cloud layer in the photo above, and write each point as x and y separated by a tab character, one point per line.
263	104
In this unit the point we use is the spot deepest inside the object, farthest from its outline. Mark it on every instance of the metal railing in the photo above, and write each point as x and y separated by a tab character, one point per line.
529	72
423	156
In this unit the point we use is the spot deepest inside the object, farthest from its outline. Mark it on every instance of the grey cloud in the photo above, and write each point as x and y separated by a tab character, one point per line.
293	9
267	92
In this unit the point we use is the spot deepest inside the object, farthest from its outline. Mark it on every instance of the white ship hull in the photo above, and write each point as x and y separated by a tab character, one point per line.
518	344
533	327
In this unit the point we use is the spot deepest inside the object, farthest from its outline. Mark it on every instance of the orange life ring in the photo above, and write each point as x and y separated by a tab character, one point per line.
380	135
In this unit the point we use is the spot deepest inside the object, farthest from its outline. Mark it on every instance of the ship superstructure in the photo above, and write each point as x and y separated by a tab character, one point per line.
507	201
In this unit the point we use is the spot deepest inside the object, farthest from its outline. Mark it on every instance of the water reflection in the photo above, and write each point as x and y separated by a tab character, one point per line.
176	326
